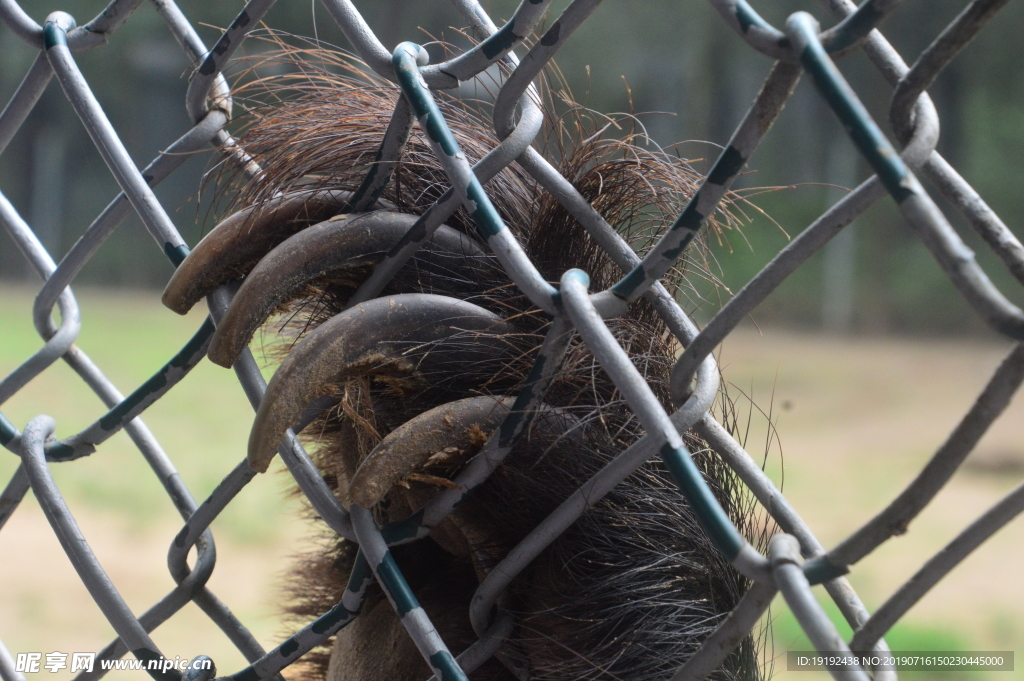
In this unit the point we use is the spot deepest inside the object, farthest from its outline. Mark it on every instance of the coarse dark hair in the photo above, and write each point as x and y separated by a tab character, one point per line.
632	588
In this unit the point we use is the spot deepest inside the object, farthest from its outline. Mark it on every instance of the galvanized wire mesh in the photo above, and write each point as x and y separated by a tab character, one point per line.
795	560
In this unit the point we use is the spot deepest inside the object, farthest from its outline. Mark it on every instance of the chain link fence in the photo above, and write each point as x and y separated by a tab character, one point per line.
795	559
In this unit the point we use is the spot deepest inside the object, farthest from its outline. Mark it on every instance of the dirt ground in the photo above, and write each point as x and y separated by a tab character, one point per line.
855	417
46	608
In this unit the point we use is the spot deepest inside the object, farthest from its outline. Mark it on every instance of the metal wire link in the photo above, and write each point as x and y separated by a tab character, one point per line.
795	560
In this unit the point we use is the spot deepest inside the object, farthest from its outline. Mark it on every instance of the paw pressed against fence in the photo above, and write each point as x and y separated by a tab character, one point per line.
401	328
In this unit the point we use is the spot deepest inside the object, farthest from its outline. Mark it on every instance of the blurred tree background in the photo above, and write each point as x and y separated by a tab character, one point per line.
661	56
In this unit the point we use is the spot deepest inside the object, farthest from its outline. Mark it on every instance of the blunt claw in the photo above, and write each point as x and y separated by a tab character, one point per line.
238	242
345	243
374	338
456	426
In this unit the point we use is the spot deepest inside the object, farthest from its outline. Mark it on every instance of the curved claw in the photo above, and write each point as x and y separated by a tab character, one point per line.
369	339
455	427
239	241
353	242
452	432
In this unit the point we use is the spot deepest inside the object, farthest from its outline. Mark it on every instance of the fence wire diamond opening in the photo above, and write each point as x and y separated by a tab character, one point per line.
794	560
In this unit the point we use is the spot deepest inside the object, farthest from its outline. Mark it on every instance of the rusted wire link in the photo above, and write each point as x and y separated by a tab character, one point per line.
694	381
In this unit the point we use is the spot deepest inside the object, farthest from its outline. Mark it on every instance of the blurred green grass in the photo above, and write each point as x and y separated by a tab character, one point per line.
903	636
203	423
124	513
